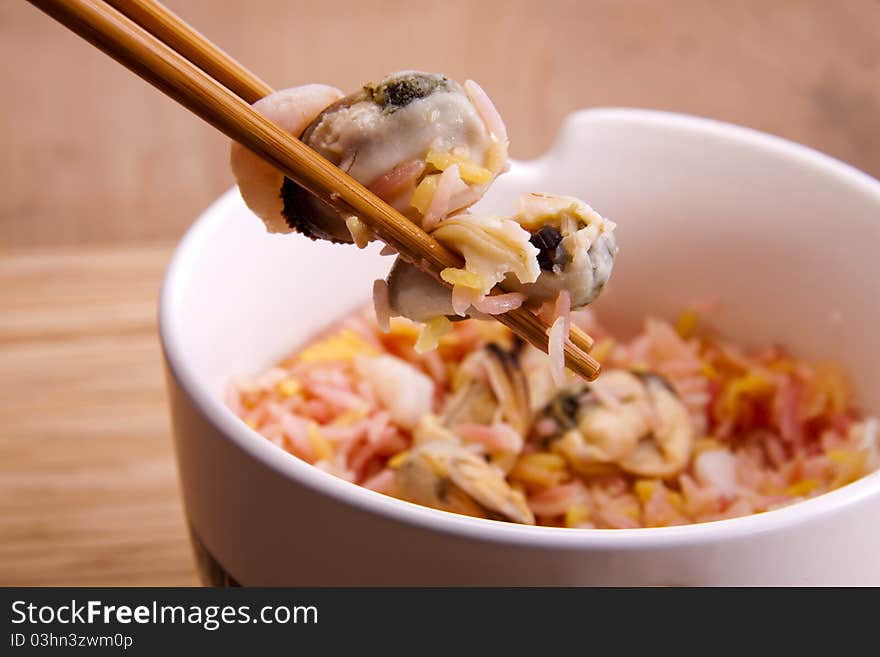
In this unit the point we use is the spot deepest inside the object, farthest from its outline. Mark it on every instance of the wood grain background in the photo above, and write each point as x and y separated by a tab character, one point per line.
94	154
100	174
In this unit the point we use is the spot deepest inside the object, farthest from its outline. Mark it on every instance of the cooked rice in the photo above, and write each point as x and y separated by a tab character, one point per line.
772	429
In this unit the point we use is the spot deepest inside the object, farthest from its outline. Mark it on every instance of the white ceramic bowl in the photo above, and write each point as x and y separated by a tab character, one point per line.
786	238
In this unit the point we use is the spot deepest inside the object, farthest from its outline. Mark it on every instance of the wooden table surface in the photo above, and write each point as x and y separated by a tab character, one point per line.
101	175
88	492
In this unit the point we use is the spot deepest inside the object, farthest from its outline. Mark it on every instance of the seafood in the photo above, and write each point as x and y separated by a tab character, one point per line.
487	413
431	147
576	248
445	475
551	244
489	388
625	420
422	142
479	423
406	392
489	405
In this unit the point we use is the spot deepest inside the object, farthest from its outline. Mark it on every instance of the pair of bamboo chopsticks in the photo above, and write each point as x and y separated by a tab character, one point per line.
164	50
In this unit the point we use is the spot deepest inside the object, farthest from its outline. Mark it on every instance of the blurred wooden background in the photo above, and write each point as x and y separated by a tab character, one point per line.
101	174
93	154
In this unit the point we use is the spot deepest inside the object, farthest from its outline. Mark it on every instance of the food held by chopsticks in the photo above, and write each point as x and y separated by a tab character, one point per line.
172	56
431	147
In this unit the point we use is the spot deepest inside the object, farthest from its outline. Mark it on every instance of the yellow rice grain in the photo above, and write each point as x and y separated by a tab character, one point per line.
321	446
706	444
676	500
542	469
289	387
404	328
839	456
632	511
397	460
350	417
801	488
644	489
687	323
576	514
462	277
421	198
432	331
469	171
850	469
343	346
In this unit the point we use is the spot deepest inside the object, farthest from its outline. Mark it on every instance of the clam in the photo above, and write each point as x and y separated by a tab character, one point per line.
550	244
576	248
490	387
445	475
667	449
417	296
391	136
630	421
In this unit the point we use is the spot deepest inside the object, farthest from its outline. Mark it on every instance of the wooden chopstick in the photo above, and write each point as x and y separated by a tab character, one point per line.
230	112
180	36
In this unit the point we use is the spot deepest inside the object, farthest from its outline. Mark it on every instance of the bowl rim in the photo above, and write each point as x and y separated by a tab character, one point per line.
228	425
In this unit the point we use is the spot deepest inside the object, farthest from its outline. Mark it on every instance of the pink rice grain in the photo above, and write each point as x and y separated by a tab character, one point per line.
462	299
554	501
318	410
775	450
337	398
611	518
275	435
699	500
382	482
740	507
345	433
658	510
786	410
498	437
486	110
562	308
296	431
382	305
359	457
377	425
331	375
400	179
498	304
435	367
367	452
556	351
271	378
364	389
438	208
